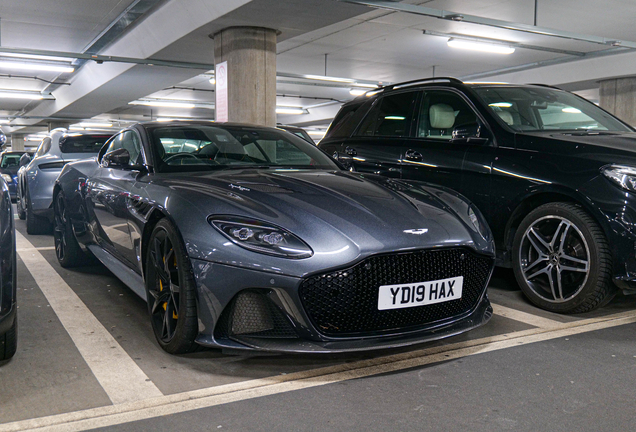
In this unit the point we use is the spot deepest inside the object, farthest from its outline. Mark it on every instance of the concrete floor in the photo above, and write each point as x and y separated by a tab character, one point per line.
527	369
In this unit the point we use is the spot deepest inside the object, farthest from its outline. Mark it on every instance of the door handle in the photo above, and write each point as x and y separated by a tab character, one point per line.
413	155
351	151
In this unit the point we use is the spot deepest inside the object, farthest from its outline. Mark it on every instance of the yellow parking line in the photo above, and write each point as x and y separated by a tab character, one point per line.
524	317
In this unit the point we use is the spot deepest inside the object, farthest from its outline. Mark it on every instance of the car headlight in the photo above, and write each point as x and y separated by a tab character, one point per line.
7	178
622	175
262	237
478	223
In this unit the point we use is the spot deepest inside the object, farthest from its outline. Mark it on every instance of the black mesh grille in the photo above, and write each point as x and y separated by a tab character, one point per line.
345	302
253	314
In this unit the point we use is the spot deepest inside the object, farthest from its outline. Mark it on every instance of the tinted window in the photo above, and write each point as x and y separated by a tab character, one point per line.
347	119
82	143
535	109
202	147
10	160
390	116
127	140
441	112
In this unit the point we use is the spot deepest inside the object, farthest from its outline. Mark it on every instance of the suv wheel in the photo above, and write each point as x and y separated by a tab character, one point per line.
561	259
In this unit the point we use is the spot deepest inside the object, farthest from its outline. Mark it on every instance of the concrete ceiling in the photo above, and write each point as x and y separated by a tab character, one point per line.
316	37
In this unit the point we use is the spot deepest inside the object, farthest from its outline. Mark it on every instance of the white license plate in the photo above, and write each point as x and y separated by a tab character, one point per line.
419	293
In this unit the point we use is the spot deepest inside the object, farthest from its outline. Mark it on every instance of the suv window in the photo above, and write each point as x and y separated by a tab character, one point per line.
10	160
127	140
441	112
390	116
347	119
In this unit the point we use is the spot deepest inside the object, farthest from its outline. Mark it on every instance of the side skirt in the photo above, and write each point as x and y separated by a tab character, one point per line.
127	275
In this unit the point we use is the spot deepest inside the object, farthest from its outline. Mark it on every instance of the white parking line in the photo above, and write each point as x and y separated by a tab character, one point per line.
41	248
524	317
219	395
118	374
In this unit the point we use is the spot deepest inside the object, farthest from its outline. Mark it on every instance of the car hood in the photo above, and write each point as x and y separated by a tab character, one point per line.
342	216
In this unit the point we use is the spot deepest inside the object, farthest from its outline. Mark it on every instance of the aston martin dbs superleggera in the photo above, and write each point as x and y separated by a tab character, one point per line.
246	237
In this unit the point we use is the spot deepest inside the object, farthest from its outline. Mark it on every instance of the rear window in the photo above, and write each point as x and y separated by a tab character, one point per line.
10	160
83	143
348	119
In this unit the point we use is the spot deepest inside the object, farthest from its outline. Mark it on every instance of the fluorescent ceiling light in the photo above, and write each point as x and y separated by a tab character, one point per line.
35	137
35	67
571	110
357	92
95	124
18	95
212	81
328	78
290	110
164	103
36	57
317	133
4	121
480	46
501	104
394	118
358	84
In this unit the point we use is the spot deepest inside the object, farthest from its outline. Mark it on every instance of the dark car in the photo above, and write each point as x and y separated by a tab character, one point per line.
296	131
554	175
9	165
246	237
8	285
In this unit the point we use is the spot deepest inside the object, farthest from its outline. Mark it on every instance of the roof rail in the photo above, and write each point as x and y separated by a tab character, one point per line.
421	80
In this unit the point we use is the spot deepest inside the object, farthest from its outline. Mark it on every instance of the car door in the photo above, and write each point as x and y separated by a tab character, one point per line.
376	146
452	146
107	195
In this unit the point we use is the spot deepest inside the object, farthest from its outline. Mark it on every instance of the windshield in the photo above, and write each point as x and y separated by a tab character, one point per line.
83	143
10	160
201	147
546	109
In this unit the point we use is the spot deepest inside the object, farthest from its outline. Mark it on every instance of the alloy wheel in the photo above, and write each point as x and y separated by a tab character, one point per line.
59	230
164	289
554	258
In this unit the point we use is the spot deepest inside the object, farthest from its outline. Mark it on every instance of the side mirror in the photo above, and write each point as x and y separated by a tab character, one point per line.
119	158
474	134
24	160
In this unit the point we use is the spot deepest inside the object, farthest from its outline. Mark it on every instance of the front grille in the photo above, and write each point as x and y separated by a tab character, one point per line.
345	302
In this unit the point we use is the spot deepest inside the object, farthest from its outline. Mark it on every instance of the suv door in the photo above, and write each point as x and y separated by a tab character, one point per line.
107	194
376	146
451	147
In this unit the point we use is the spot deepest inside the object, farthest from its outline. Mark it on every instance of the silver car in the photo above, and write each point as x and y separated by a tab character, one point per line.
37	178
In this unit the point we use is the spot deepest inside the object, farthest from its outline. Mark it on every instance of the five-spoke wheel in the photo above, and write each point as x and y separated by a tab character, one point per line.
170	290
561	259
67	249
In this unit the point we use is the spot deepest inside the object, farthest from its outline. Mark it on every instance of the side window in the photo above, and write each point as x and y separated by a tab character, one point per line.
44	147
441	112
390	117
130	141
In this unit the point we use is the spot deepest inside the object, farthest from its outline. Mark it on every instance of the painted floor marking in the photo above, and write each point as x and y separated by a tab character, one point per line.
524	317
118	374
41	248
219	395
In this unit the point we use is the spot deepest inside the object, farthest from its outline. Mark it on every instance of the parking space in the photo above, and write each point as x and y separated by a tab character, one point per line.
68	375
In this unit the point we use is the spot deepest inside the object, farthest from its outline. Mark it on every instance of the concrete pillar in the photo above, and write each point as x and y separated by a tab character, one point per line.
250	53
58	124
618	96
17	142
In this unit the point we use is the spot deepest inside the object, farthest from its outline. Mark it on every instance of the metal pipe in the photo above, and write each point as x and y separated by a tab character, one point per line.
474	19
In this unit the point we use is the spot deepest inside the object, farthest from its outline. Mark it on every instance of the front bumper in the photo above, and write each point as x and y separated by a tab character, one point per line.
219	286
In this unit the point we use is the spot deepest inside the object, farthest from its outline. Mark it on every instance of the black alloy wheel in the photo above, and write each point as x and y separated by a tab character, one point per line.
20	204
561	259
170	290
67	249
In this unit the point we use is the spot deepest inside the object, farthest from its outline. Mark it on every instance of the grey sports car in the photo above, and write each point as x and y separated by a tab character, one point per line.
246	237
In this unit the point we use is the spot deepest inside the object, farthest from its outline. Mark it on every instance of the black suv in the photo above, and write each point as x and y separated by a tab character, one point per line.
554	174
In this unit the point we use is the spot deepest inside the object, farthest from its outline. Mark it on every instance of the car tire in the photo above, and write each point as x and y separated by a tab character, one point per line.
561	259
35	224
173	313
67	249
9	341
20	206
